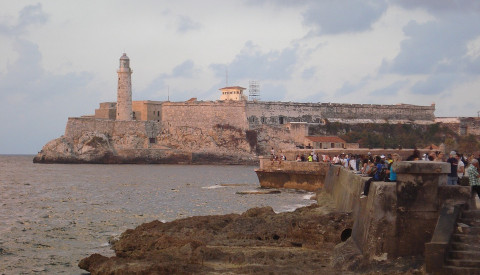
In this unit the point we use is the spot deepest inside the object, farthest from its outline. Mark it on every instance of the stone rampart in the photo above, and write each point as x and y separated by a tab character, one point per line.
204	114
76	127
283	112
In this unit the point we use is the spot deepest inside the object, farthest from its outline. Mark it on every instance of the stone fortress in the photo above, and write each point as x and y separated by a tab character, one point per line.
229	130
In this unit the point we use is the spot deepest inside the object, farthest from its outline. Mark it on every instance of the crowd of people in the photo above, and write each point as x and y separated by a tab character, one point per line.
464	167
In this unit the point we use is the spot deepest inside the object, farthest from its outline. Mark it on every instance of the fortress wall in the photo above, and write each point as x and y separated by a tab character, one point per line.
77	126
204	114
148	129
461	125
470	126
147	110
284	112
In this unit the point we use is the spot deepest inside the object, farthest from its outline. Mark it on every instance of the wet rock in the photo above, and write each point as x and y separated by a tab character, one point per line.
92	263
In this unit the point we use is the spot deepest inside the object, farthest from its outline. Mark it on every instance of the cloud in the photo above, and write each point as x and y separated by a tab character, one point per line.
251	63
349	88
435	84
436	46
441	5
26	78
390	91
186	24
186	69
32	99
335	17
271	92
30	15
308	73
158	87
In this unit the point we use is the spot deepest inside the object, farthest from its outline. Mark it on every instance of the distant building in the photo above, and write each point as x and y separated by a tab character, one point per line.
234	109
124	91
325	142
233	93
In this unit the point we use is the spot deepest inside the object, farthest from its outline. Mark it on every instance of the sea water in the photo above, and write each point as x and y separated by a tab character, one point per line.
53	215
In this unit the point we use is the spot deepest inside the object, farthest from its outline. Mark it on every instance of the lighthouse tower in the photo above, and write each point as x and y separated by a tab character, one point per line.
124	92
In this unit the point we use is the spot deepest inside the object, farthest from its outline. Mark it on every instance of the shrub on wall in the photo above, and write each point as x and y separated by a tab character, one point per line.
251	136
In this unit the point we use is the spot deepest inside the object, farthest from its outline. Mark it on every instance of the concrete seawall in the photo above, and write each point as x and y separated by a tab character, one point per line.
308	176
397	218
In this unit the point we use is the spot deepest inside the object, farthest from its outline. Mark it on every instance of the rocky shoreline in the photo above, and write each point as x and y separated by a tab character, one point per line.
98	148
174	157
310	240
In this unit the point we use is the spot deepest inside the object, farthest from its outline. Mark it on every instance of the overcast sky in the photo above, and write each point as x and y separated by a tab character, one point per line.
59	58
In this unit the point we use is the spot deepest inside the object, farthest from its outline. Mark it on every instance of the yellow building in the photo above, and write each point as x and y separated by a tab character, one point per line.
233	93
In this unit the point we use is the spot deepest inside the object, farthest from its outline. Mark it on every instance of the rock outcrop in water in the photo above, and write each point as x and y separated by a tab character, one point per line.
257	241
309	240
115	142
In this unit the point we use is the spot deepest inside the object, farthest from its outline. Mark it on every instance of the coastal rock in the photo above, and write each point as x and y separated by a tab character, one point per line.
96	147
257	241
90	147
102	141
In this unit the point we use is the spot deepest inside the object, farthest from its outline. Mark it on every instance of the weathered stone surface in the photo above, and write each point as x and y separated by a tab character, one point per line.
89	140
396	219
291	174
421	167
257	241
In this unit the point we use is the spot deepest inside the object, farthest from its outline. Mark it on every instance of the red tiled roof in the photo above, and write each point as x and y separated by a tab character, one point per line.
327	139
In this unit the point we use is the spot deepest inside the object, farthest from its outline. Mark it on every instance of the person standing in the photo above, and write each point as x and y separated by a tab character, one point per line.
353	163
392	176
460	167
473	176
452	177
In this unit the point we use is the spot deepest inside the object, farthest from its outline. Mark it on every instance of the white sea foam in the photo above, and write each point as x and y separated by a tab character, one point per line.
308	196
289	208
213	186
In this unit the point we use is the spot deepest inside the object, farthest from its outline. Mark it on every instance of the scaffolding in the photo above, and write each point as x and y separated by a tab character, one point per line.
254	91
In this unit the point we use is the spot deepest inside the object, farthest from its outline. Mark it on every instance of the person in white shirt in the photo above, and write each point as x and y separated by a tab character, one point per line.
353	163
460	167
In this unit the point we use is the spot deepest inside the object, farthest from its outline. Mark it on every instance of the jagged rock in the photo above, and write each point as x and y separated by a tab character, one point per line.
257	241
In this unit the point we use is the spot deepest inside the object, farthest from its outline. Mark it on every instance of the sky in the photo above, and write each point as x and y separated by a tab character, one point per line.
59	58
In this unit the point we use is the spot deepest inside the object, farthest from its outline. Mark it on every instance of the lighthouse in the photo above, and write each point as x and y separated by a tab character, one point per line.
124	91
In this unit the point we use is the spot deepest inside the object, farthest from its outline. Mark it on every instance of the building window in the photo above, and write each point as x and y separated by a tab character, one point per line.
280	120
332	145
153	140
